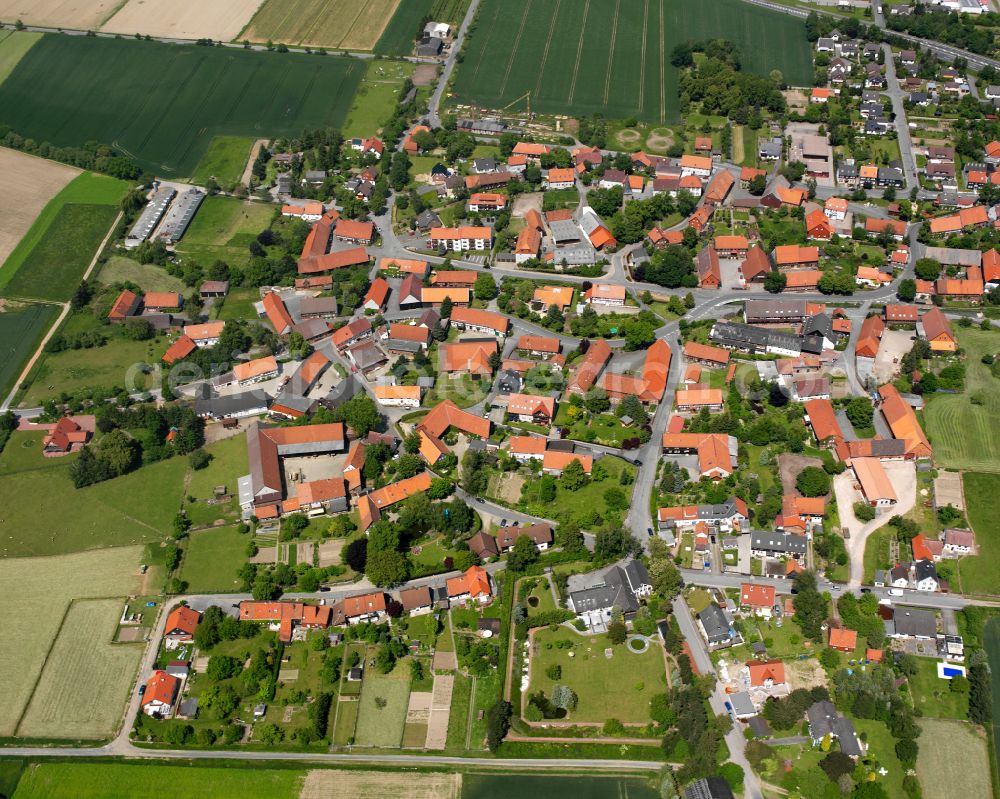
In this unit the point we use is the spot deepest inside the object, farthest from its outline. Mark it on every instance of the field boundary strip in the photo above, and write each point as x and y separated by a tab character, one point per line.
579	53
545	53
111	14
513	50
611	49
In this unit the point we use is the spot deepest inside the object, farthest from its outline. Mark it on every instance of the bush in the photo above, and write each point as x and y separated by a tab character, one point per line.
864	512
199	459
813	482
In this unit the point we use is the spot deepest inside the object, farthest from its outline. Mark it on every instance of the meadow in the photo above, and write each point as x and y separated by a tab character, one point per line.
224	160
617	687
376	97
163	104
340	24
979	575
580	57
962	427
212	558
83	654
27	635
223	229
133	509
148	277
953	761
22	326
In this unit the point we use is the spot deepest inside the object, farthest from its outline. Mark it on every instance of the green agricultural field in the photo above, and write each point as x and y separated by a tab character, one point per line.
27	636
376	97
979	575
22	326
56	265
223	229
163	104
617	687
145	781
401	32
582	57
83	654
133	509
212	558
962	427
383	726
954	760
148	277
225	159
13	47
41	241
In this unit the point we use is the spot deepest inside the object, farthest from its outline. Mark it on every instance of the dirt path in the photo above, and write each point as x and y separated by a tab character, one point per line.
254	152
472	710
739	153
55	325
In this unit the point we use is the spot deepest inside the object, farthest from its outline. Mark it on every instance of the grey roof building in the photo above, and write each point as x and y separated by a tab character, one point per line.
619	586
180	215
709	788
232	406
774	543
755	339
914	623
824	719
715	624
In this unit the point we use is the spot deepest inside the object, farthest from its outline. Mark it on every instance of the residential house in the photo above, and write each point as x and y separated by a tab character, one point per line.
826	723
540	535
160	694
757	599
531	408
180	626
473	585
595	595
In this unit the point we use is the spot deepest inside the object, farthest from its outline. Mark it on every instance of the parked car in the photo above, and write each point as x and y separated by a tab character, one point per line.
649	531
895	592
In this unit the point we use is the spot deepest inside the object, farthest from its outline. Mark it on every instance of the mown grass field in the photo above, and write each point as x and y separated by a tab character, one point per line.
163	104
22	326
340	24
83	654
133	509
580	57
980	574
148	277
212	558
37	592
225	159
953	761
145	781
962	427
376	97
383	726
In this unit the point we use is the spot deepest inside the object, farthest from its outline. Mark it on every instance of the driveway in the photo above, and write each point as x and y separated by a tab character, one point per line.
903	476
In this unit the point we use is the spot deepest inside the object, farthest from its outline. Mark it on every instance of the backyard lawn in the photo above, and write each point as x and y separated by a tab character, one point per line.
583	502
212	558
620	686
382	714
933	696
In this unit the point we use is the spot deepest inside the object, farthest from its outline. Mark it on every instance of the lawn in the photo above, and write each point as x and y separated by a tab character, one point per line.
933	696
223	229
953	761
458	718
238	305
37	594
596	60
961	427
49	232
146	781
229	461
148	277
118	363
882	747
133	509
376	98
83	654
604	428
70	90
560	198
980	574
383	726
618	687
225	159
212	558
22	327
347	720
